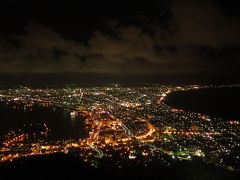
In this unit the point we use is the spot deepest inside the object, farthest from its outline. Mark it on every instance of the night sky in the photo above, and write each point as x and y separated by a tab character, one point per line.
134	37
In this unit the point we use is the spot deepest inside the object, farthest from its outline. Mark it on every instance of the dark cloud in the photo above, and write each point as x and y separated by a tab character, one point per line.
192	39
204	23
58	54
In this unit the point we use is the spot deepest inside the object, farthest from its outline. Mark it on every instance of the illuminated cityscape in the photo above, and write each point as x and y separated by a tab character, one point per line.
136	89
125	125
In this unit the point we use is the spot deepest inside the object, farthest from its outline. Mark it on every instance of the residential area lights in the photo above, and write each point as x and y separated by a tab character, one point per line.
128	123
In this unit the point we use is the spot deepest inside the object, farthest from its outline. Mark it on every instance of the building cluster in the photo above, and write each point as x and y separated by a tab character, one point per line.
128	125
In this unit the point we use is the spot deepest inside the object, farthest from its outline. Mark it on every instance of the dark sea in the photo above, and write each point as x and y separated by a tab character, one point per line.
217	102
61	124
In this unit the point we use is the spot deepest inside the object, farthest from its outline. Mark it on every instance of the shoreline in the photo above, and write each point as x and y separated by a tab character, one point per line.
176	100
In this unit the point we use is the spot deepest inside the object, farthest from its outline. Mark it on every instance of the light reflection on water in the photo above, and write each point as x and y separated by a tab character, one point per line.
60	122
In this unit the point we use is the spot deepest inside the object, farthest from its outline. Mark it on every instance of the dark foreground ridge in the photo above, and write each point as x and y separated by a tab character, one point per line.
60	166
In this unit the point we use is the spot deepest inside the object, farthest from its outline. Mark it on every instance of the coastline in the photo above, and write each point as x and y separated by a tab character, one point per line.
218	102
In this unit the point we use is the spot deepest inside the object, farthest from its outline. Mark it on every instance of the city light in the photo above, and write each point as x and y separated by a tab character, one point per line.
134	123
